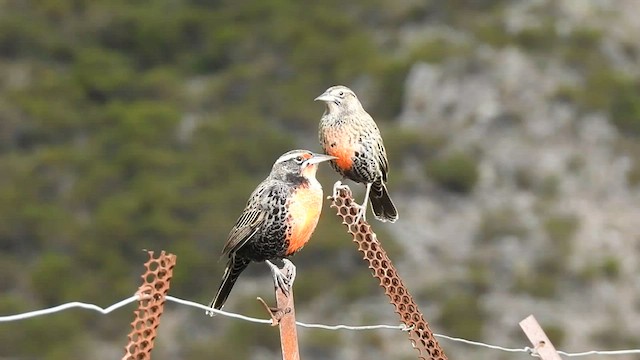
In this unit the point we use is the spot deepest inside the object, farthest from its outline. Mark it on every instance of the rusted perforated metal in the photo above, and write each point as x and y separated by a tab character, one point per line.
420	334
152	292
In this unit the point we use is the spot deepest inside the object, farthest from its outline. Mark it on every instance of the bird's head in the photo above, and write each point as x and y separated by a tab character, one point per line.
339	97
299	163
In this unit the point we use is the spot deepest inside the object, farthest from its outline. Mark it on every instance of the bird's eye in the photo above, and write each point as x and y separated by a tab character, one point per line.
299	160
341	93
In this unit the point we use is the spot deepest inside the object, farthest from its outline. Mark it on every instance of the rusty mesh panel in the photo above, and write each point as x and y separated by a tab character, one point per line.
420	335
152	292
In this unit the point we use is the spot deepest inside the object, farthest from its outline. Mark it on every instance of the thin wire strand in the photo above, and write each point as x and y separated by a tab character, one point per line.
600	352
489	346
209	310
402	327
263	321
75	304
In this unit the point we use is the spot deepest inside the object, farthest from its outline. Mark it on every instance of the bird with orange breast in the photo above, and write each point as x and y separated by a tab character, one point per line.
349	133
278	220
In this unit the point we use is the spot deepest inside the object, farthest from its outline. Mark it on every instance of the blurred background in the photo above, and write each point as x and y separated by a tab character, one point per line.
512	131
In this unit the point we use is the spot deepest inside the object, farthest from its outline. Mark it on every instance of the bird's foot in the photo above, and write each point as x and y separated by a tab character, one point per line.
362	209
337	187
283	279
361	215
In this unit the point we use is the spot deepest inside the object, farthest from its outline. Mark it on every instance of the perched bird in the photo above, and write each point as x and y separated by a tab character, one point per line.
349	133
280	216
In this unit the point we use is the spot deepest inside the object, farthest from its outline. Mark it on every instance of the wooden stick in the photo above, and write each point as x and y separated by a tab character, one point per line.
541	343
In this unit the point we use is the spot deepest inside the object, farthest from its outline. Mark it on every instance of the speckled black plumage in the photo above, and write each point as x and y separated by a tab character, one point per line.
264	229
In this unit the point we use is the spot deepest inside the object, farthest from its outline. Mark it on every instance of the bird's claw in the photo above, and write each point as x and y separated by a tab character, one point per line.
337	187
362	209
290	276
361	215
283	279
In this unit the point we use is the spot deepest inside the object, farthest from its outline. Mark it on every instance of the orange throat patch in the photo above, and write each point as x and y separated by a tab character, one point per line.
304	209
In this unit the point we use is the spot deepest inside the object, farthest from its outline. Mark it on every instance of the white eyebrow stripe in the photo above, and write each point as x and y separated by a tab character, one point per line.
286	157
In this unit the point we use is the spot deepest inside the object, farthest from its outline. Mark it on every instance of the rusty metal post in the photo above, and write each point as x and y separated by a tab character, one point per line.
420	334
152	292
284	316
287	325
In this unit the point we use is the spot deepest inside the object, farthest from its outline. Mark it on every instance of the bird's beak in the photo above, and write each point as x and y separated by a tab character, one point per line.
318	158
324	97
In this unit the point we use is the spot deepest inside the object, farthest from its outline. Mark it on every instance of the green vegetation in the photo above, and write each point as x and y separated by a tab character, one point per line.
145	125
540	283
130	125
605	268
410	144
612	337
633	176
606	88
546	187
630	147
556	334
324	343
611	267
499	223
462	314
542	280
561	229
456	172
611	91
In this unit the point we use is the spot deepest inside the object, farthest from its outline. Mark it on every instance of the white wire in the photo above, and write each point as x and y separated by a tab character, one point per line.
262	321
67	306
489	346
221	312
600	352
122	303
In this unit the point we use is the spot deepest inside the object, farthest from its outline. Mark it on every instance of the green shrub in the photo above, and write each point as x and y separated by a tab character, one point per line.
456	172
103	74
624	107
51	279
463	315
561	230
535	284
613	92
608	268
404	144
499	223
555	333
633	176
541	38
611	336
611	267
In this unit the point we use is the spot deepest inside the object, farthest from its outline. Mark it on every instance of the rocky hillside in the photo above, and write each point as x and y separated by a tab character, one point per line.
544	128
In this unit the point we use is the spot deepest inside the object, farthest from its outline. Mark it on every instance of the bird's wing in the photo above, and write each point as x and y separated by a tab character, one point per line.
382	154
382	160
245	228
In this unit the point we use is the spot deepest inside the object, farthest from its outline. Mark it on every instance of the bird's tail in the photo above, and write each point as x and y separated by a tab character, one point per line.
235	266
383	207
